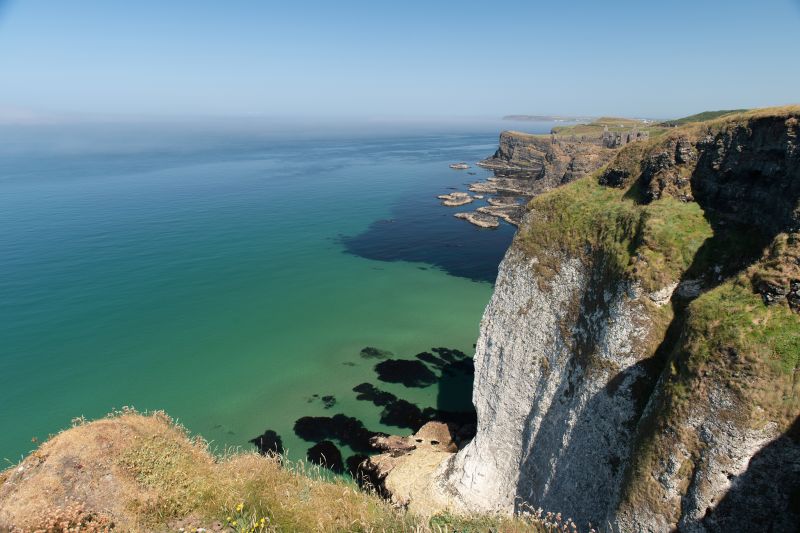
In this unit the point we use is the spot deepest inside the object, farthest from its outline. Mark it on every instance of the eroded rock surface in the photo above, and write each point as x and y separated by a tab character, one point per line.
455	199
622	405
543	162
482	220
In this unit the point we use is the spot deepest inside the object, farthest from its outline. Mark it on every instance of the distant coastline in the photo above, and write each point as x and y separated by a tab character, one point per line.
547	118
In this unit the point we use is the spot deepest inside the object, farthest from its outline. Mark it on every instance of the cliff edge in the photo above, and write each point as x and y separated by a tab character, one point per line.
536	163
636	366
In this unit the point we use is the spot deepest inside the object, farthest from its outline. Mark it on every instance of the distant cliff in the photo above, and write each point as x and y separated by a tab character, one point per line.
636	367
545	160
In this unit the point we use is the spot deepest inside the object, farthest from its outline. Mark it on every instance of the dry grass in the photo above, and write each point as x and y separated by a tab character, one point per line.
136	472
140	472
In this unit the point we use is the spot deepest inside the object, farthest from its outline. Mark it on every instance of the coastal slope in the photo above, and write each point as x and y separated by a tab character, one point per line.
636	365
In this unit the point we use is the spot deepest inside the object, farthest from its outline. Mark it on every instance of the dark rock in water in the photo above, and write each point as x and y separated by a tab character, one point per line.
370	352
396	412
410	373
328	401
431	359
405	414
345	429
354	465
370	393
449	354
269	443
326	454
465	367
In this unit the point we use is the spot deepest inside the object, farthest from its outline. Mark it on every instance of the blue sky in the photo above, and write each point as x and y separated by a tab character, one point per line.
399	59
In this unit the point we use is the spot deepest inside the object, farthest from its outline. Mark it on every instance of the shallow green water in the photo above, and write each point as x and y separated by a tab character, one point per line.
213	283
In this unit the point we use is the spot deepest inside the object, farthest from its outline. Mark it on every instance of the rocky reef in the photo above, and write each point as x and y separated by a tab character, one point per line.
482	220
455	199
636	366
525	165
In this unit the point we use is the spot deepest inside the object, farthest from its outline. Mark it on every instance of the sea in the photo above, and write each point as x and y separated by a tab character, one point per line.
240	275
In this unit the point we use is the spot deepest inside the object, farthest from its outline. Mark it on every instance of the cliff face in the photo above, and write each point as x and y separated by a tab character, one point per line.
551	426
544	161
636	365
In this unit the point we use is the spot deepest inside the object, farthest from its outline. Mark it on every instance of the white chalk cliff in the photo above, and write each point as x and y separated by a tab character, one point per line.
635	366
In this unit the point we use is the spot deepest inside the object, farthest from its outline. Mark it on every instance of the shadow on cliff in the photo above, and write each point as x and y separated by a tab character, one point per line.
574	461
578	467
772	477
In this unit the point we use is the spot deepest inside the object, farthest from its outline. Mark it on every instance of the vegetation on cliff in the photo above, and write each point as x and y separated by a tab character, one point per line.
709	214
595	128
701	117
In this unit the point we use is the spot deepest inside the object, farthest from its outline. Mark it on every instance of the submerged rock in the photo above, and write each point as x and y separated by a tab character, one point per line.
328	401
327	455
410	373
347	430
269	442
370	393
370	352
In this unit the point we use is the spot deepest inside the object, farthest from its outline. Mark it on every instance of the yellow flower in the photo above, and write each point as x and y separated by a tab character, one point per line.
234	523
239	508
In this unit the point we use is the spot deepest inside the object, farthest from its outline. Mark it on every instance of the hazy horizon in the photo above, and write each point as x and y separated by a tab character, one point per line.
95	61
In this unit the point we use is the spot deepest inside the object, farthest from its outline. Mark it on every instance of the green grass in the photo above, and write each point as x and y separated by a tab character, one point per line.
652	244
701	117
614	124
733	317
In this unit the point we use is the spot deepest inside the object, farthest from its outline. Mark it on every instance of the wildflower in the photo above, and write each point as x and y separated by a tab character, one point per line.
239	508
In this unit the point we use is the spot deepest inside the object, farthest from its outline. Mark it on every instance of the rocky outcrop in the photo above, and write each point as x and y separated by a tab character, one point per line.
482	220
635	366
524	166
511	213
455	199
543	161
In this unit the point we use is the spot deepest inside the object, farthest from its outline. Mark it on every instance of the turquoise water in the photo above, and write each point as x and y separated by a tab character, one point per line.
215	281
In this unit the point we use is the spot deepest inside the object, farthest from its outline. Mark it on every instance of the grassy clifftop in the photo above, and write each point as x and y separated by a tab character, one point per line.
709	213
660	215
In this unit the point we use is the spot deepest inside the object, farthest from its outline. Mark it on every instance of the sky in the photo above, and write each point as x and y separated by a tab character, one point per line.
395	59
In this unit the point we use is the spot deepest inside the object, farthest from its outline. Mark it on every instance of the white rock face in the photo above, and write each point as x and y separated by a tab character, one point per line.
564	377
554	367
